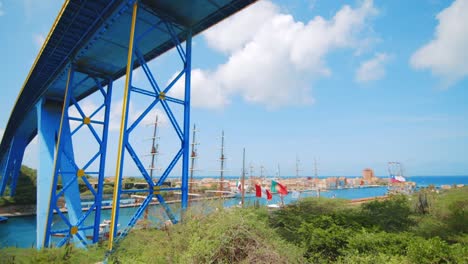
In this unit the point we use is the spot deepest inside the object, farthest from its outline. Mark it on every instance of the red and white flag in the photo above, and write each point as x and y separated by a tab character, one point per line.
279	188
262	192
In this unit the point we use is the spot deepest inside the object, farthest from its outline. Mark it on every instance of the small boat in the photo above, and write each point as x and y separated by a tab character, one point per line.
104	229
3	219
273	206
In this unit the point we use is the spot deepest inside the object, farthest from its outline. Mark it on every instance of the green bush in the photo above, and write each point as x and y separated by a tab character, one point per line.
374	259
311	230
323	243
447	217
368	242
288	220
225	236
67	254
391	215
433	250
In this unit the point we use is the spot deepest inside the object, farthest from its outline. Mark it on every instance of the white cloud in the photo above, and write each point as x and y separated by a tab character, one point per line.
38	40
206	92
2	12
446	54
239	30
274	59
373	69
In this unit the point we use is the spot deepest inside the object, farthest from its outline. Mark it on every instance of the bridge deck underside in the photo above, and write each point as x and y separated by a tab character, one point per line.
94	36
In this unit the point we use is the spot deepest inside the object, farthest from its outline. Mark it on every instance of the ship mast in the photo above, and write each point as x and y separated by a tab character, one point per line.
251	171
154	147
251	167
315	168
279	171
193	156
261	172
154	153
243	178
297	166
222	158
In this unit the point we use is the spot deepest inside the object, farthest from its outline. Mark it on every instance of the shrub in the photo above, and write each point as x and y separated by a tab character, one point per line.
392	215
288	220
374	259
433	250
67	254
225	236
323	244
447	217
375	243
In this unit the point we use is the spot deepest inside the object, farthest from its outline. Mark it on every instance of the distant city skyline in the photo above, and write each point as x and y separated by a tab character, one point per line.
353	85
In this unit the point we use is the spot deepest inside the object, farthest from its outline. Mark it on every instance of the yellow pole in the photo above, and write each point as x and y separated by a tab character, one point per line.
123	125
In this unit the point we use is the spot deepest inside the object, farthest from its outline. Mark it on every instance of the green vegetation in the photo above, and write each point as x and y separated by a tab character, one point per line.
25	189
66	255
425	228
226	236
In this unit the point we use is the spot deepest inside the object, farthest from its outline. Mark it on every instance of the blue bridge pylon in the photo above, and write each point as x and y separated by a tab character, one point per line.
91	44
160	96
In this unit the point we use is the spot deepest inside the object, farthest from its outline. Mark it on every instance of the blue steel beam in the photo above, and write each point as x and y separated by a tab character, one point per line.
57	159
186	141
5	173
63	163
159	97
91	33
19	146
103	149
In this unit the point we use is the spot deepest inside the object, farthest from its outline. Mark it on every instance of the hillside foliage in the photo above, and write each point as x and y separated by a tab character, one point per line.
427	227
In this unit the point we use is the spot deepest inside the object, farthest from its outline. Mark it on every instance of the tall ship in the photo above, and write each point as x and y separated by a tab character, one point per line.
397	183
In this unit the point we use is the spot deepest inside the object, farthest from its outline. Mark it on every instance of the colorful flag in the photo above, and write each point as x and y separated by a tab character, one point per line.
262	192
279	188
398	179
239	186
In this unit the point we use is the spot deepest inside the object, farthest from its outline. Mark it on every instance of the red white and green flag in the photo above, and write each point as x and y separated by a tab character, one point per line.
277	187
262	192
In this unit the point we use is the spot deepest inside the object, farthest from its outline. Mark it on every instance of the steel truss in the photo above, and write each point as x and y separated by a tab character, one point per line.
54	130
158	96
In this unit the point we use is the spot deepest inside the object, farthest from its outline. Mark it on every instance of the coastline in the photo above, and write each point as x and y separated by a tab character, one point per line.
30	210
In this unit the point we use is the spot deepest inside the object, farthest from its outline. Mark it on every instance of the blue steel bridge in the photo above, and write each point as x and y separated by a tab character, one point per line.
91	44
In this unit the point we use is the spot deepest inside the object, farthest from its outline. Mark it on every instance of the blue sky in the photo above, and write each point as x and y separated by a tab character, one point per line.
353	84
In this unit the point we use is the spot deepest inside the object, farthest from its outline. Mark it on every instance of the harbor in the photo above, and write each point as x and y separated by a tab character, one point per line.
233	131
19	227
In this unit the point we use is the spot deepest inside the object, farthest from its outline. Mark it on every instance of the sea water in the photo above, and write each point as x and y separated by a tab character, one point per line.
21	231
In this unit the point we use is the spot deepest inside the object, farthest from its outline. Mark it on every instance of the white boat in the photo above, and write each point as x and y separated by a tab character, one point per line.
273	206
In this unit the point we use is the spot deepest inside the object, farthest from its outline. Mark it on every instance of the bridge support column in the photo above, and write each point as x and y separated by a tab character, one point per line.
19	146
59	174
13	165
158	95
49	117
56	160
